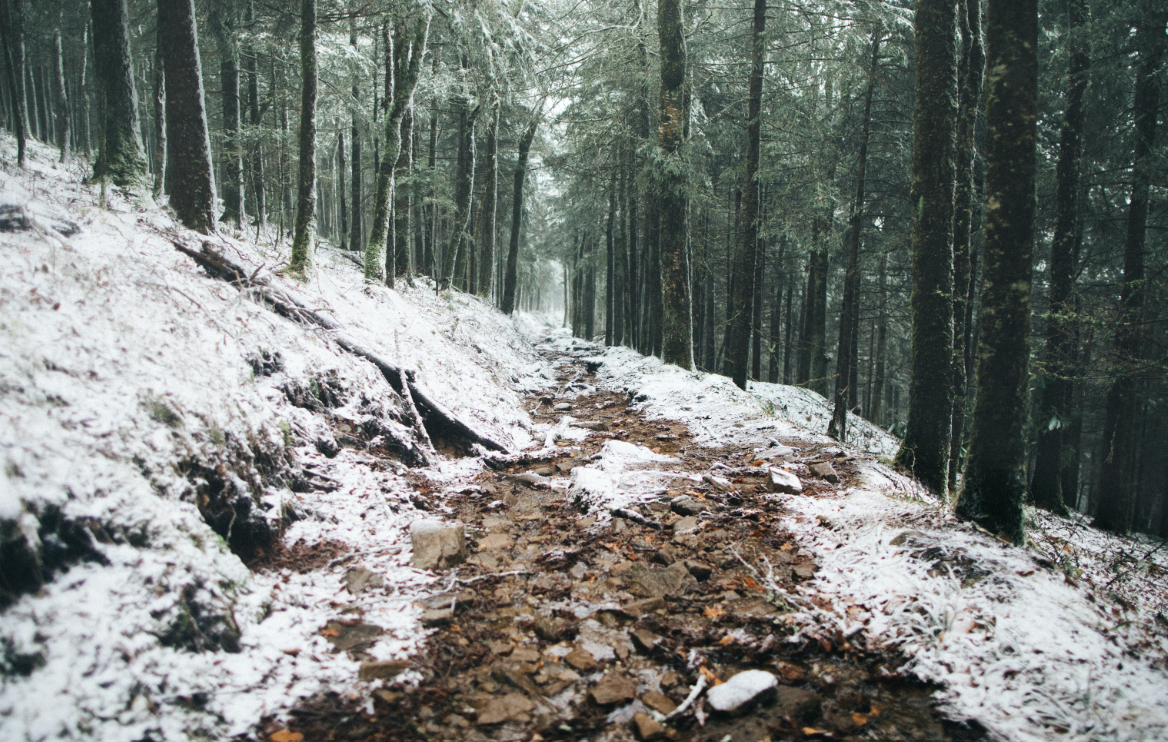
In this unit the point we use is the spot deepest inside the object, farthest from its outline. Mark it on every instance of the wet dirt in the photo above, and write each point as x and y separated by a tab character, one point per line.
565	624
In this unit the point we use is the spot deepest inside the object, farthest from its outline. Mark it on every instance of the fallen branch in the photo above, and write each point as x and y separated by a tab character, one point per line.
694	692
636	518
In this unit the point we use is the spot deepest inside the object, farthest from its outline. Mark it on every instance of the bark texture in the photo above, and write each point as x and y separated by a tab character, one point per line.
121	158
305	223
994	486
511	278
486	232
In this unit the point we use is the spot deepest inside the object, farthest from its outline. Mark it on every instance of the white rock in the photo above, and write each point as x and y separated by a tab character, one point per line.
437	544
739	691
785	482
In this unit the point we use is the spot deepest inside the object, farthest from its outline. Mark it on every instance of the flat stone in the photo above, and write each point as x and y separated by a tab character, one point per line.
581	659
511	707
719	483
356	636
775	452
550	629
613	688
584	523
638	608
806	570
525	654
382	670
651	581
437	544
741	692
699	570
644	639
437	617
664	555
688	524
659	702
798	705
647	727
670	679
825	471
496	542
361	579
562	407
686	505
784	482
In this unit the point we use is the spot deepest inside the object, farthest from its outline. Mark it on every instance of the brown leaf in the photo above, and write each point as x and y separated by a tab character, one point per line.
710	677
285	735
859	719
751	584
726	640
714	611
329	632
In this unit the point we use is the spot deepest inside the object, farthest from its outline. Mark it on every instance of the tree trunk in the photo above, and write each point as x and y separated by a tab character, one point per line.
61	99
850	314
305	223
1057	390
222	18
1117	474
610	264
401	201
517	216
817	313
12	28
343	211
881	346
121	158
925	448
994	486
256	153
463	185
621	302
409	44
160	155
192	183
488	207
673	299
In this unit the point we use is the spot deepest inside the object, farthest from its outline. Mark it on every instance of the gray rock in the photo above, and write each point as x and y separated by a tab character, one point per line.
511	707
613	688
595	425
361	579
562	407
784	482
647	727
686	505
437	544
719	483
825	471
698	569
775	452
382	670
688	524
651	581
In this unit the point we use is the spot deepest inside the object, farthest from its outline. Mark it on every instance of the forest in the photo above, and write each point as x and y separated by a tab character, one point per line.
948	219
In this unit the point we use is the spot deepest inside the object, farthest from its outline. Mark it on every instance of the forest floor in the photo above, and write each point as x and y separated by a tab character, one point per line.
570	624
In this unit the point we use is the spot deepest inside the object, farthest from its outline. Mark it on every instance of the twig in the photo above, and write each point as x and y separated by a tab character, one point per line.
694	692
636	518
493	574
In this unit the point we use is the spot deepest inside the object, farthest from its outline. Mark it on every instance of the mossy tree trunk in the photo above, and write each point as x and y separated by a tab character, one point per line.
676	344
304	224
1057	388
121	158
191	183
512	275
406	50
994	485
1120	441
159	116
845	367
746	256
971	72
925	448
223	25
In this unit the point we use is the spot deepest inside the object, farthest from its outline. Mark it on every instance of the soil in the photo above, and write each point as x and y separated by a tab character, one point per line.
565	626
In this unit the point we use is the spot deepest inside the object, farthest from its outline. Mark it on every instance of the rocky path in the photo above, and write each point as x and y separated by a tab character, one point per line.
566	621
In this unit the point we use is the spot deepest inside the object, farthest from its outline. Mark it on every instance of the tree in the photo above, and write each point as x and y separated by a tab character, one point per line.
747	256
676	333
486	231
512	274
1119	434
120	158
994	486
305	224
12	36
192	185
925	448
61	100
223	24
1057	389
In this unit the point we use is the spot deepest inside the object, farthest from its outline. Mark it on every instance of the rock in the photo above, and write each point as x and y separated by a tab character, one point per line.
495	542
361	579
784	482
437	544
718	483
670	679
644	639
688	524
638	608
903	538
355	636
824	471
798	705
789	672
382	670
664	556
550	629
686	505
613	688
806	570
529	479
584	523
596	425
581	659
699	570
659	702
545	471
646	727
437	617
775	452
741	692
511	707
651	581
562	407
578	571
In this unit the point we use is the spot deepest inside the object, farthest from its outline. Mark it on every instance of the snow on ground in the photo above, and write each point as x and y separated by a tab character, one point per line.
131	386
1063	639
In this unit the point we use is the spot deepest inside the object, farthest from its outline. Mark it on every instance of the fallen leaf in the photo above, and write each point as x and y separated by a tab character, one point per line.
726	640
285	735
874	711
714	611
859	719
809	731
751	584
710	677
330	632
787	546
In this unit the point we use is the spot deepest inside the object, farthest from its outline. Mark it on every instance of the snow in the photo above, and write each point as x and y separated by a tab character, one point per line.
624	473
120	363
1064	638
740	690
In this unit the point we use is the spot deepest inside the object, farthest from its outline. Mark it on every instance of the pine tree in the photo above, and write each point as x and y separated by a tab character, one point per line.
120	158
303	231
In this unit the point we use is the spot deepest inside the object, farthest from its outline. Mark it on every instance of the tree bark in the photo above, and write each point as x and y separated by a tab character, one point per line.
222	18
850	314
61	100
675	331
994	486
12	26
401	201
121	158
160	153
610	264
742	277
463	185
512	275
1057	389
305	223
256	152
925	448
192	183
488	207
1117	474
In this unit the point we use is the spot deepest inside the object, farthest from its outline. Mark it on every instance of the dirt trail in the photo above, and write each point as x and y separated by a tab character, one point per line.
566	625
